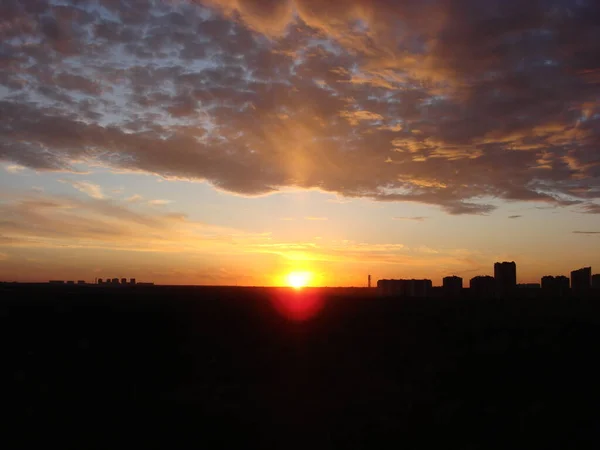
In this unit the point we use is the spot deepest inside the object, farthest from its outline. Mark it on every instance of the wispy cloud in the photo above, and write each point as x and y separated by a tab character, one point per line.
425	249
590	208
14	168
88	188
586	232
415	218
52	221
340	200
516	216
159	202
316	218
134	198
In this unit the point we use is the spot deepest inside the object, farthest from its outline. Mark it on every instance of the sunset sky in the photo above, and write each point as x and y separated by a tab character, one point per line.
236	141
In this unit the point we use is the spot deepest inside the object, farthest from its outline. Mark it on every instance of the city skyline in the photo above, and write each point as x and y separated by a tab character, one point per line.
504	280
221	142
506	277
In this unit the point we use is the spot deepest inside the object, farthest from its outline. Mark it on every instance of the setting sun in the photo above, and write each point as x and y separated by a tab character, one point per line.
298	280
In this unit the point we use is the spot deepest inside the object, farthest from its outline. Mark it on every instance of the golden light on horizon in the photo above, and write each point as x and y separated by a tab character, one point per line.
298	280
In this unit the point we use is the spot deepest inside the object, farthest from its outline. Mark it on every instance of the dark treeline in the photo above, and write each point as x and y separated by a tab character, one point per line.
224	368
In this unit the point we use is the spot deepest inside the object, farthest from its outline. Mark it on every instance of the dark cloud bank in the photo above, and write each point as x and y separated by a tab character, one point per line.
449	102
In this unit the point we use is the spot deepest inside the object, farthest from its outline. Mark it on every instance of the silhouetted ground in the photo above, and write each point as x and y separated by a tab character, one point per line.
88	367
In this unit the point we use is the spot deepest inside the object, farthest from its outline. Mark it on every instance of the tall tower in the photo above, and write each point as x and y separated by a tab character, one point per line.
581	279
369	281
505	274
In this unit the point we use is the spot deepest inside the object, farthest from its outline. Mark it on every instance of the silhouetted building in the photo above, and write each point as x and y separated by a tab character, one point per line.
115	281
581	279
80	282
123	280
100	281
437	292
419	288
385	286
557	284
452	286
596	281
369	281
528	290
70	282
132	281
482	286
56	282
505	274
405	288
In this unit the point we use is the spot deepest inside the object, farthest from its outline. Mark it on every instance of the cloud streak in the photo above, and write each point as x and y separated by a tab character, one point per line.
62	221
414	218
33	221
90	189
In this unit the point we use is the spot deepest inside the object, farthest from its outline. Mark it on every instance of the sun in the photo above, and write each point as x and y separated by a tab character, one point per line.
298	280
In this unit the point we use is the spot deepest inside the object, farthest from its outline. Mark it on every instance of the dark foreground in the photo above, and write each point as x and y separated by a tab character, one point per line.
88	367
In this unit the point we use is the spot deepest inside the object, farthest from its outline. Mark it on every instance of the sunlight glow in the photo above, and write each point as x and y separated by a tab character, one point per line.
298	280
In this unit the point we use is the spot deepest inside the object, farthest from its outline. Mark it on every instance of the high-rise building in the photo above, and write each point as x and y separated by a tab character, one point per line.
529	286
581	279
483	286
529	290
452	286
100	281
405	288
596	281
123	280
115	281
132	281
505	274
558	285
419	288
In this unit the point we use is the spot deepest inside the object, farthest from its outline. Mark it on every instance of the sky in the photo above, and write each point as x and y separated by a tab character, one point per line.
231	142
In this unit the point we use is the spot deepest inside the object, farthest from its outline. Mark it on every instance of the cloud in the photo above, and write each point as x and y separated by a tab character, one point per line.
134	198
425	249
91	189
347	251
355	117
14	168
65	222
444	102
415	218
586	232
316	218
517	216
590	208
159	202
53	221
